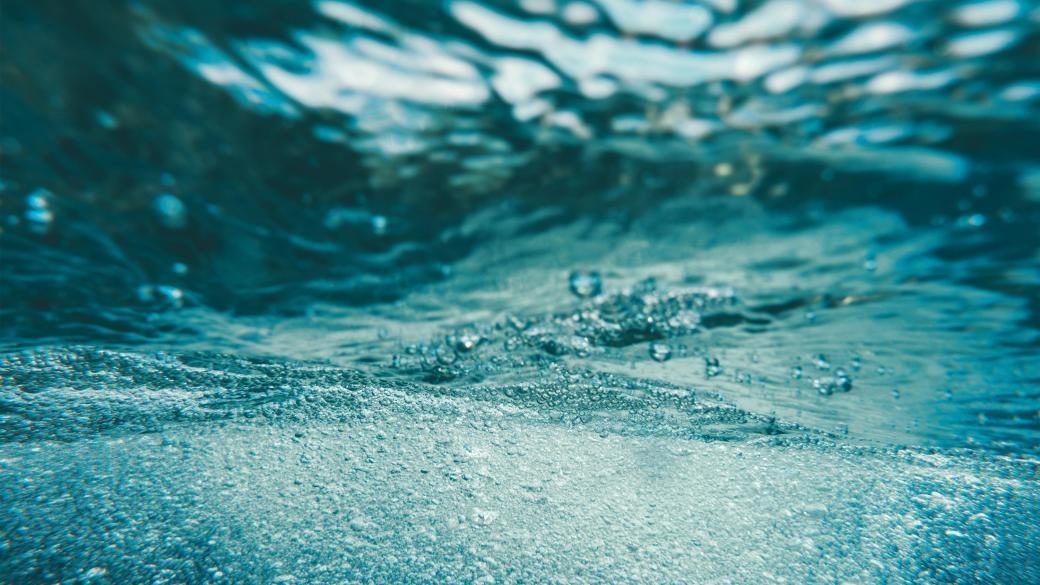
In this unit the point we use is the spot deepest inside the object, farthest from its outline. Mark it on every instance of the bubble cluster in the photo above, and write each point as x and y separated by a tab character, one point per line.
602	323
840	381
210	468
712	368
38	214
660	352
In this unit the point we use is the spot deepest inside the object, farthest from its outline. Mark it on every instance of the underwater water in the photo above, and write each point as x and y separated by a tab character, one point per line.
547	291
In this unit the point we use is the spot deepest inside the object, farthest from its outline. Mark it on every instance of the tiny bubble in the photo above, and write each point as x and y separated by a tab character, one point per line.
712	367
105	120
660	352
171	211
466	342
379	224
585	284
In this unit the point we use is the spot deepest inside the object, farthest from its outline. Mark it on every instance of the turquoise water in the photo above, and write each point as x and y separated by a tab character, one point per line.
520	292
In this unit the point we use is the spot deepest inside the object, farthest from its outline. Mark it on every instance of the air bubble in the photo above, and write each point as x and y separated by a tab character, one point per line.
105	120
171	294
974	220
171	211
466	342
379	224
842	381
870	262
712	367
823	387
39	215
660	352
585	284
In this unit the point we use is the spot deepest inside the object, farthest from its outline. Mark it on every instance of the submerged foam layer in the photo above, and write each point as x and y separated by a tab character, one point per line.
406	487
71	394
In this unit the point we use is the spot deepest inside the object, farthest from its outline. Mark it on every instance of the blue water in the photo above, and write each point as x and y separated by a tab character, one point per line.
610	291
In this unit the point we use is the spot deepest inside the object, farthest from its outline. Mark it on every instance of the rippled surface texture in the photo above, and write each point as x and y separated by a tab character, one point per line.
606	291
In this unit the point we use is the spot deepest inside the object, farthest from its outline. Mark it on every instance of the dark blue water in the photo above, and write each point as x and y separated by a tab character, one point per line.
520	292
